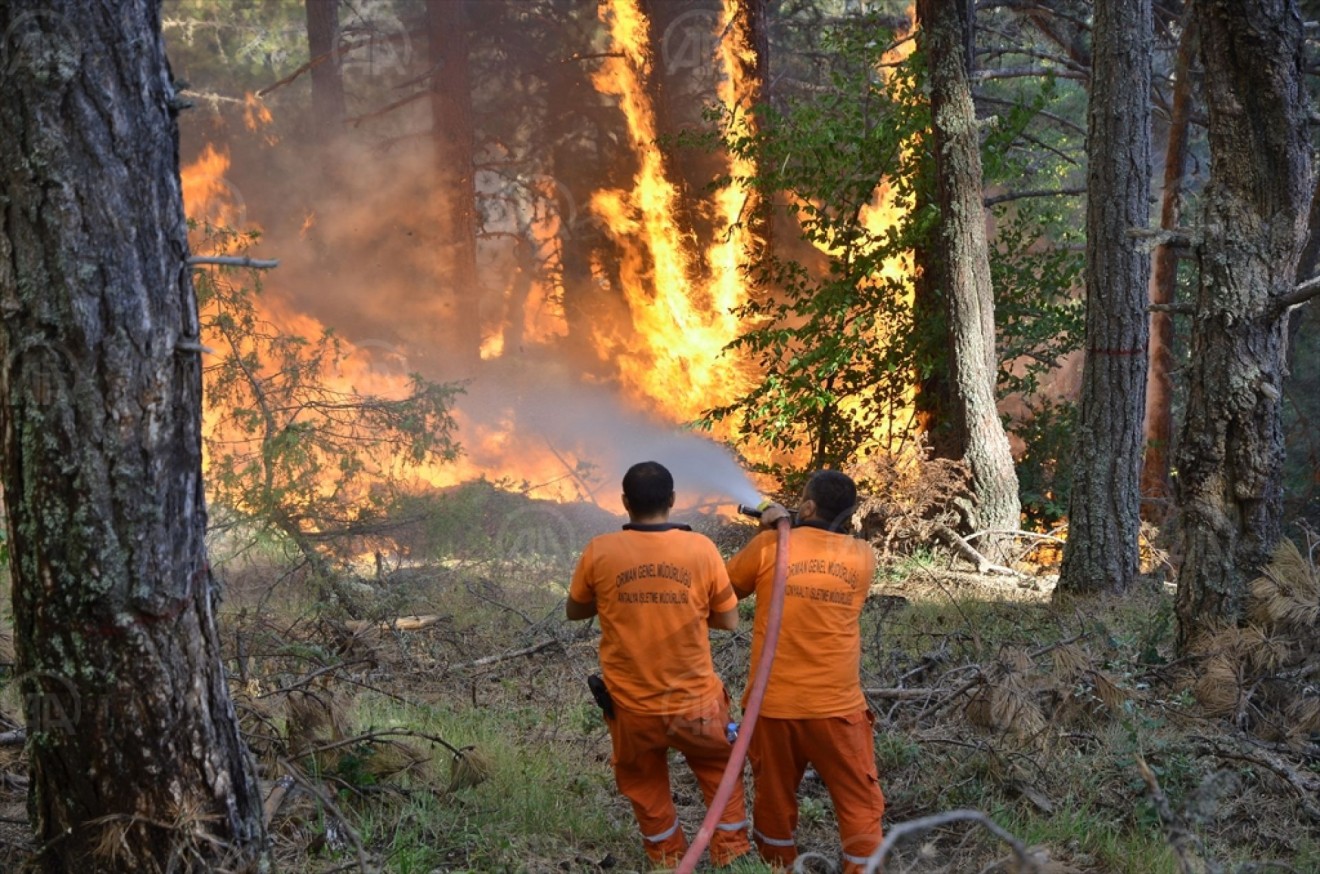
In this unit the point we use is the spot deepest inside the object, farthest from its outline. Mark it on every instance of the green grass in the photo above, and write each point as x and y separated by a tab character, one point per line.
1069	786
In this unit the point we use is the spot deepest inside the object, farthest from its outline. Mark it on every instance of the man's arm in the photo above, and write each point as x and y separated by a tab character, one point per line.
745	567
578	610
725	620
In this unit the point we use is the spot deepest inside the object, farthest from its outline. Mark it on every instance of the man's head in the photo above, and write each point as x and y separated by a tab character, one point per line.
833	495
648	490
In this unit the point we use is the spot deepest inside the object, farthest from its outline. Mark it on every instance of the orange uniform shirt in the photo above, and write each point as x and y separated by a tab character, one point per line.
818	658
653	591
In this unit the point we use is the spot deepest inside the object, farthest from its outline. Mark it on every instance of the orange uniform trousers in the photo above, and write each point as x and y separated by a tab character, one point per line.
842	750
641	768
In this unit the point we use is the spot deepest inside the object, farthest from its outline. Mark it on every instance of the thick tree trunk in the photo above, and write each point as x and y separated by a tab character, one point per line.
1255	208
1155	484
1104	508
451	108
945	28
136	760
327	75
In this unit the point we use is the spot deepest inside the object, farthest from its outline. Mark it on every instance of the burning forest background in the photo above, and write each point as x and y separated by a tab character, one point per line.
579	284
553	205
522	244
607	225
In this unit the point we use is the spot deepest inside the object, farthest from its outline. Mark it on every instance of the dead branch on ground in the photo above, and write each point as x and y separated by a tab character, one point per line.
1026	862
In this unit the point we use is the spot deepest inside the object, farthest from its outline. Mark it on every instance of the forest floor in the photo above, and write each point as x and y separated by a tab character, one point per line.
1069	728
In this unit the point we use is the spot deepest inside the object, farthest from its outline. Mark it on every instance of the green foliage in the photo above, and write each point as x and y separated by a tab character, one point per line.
1045	466
833	327
291	443
831	340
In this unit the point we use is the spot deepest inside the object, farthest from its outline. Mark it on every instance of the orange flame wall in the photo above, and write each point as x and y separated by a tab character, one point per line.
677	295
672	357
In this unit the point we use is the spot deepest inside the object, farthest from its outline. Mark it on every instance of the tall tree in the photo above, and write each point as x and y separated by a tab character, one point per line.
1230	453
327	66
1155	483
946	31
136	763
1105	503
455	145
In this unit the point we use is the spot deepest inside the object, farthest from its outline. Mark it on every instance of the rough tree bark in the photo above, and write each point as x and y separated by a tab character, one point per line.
945	26
1156	487
451	109
1104	508
1230	453
136	763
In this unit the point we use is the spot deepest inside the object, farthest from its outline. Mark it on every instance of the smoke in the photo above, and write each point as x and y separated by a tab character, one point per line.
589	427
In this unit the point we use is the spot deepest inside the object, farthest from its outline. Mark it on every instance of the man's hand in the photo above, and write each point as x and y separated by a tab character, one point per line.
771	515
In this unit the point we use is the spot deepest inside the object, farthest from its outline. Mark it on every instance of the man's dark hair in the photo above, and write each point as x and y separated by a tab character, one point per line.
648	486
835	495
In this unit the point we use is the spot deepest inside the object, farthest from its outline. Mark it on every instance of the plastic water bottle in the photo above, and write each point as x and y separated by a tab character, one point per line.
731	731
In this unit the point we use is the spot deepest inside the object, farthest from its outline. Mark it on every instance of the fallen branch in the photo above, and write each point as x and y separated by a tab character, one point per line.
1305	787
399	623
304	680
969	552
1026	863
15	738
233	261
385	733
504	657
334	810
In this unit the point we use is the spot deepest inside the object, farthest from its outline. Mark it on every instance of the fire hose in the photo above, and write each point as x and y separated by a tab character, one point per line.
733	771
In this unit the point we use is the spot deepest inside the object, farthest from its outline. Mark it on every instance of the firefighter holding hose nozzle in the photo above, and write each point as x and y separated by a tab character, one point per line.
814	712
658	588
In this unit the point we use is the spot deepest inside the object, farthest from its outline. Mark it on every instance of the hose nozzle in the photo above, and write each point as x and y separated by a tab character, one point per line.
754	512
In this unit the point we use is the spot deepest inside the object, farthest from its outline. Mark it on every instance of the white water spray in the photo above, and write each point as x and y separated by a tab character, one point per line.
586	423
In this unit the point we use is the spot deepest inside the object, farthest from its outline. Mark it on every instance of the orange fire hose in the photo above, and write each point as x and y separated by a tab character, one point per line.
733	771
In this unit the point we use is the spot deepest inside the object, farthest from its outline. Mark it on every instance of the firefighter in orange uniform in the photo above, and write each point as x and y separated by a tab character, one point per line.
658	588
813	711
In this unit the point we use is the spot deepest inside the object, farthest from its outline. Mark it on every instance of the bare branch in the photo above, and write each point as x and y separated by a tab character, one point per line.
1035	192
232	261
1025	73
1299	295
503	657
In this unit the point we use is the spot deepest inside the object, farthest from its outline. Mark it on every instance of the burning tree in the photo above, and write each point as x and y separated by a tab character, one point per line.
296	439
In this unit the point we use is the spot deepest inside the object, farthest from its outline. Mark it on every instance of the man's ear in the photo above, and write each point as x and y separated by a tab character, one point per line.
626	508
670	505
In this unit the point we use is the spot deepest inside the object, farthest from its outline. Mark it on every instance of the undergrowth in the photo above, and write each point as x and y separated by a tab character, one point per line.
452	729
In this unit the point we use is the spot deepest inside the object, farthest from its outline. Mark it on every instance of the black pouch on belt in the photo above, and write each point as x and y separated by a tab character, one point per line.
601	694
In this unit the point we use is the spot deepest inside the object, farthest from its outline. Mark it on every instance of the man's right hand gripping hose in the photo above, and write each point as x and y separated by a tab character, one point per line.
733	772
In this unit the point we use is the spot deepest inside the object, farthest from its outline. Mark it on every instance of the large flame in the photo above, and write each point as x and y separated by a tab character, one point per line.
671	356
737	92
677	295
